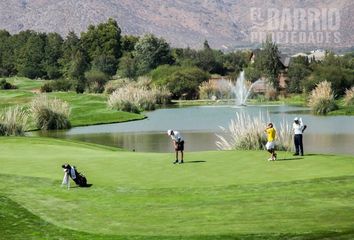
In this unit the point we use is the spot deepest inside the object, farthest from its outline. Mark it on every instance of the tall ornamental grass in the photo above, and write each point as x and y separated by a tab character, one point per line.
138	96
131	99
244	133
321	99
247	133
50	114
349	97
13	122
284	137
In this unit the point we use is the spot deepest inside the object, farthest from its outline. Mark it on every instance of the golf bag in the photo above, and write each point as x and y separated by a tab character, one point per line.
76	176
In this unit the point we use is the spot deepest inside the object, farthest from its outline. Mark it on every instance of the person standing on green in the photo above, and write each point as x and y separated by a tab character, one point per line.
270	146
178	143
298	128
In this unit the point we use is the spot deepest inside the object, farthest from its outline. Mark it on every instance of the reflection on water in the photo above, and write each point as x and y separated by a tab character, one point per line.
199	125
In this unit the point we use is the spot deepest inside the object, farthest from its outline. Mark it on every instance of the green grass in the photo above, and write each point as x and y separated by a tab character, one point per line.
217	195
87	109
25	83
343	109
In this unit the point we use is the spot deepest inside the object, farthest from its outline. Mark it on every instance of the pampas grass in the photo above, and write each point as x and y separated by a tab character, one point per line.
13	122
131	99
284	138
50	114
349	97
138	96
321	99
247	133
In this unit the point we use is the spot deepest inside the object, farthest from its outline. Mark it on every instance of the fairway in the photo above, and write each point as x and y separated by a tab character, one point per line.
86	109
215	195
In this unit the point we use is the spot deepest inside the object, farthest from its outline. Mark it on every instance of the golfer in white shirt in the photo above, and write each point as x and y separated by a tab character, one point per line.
178	143
298	128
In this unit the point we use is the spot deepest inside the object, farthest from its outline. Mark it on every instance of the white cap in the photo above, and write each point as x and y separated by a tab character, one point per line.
169	132
296	119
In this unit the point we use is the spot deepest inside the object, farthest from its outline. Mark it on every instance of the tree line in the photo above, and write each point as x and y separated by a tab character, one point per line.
88	61
101	52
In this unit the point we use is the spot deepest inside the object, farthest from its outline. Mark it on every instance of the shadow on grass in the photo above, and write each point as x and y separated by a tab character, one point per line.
86	186
289	159
320	154
198	161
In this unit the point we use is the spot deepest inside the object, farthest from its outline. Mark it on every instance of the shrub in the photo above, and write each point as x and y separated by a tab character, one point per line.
221	89
13	122
50	114
6	85
62	85
349	97
45	88
321	99
271	93
182	82
96	80
207	90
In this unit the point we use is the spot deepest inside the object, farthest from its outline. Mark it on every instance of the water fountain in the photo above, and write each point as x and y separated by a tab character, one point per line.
241	90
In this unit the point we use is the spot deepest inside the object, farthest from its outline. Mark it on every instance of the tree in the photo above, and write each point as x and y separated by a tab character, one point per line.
297	73
234	62
184	83
70	47
6	52
252	74
151	52
128	43
30	56
105	39
181	81
106	64
76	71
268	61
127	66
52	53
334	69
210	60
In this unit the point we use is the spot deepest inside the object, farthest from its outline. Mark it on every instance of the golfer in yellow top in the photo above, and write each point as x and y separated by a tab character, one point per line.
270	146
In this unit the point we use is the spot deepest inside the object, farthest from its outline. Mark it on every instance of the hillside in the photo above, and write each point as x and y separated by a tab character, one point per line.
224	23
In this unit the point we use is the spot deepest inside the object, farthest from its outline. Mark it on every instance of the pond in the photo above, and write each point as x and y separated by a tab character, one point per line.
200	124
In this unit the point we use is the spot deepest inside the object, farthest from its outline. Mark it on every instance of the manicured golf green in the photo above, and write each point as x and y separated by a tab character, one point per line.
214	195
86	109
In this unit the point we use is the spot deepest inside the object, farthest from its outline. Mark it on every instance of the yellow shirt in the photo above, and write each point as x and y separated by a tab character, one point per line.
270	134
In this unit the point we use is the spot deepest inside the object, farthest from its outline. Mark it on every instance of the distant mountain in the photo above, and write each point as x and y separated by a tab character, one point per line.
224	23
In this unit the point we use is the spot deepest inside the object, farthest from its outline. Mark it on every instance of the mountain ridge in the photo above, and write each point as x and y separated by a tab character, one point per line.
224	23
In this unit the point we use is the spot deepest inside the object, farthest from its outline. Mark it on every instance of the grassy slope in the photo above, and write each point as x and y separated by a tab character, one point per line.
231	194
87	109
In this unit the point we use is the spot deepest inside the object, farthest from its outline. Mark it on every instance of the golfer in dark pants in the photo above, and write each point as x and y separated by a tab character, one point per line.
298	128
178	143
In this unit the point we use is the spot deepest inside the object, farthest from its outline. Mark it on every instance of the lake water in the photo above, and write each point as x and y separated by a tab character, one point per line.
199	126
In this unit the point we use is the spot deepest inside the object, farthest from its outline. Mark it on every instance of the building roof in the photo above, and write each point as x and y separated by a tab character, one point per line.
285	60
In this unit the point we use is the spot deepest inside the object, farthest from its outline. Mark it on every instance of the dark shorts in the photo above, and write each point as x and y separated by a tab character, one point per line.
180	146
